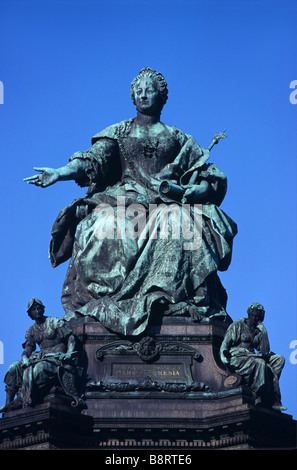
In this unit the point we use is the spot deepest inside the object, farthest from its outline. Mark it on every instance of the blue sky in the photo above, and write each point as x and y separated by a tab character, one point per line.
66	67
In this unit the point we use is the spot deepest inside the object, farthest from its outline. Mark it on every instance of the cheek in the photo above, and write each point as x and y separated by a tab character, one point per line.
155	99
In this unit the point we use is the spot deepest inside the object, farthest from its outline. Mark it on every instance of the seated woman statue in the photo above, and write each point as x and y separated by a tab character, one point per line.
246	351
28	380
124	268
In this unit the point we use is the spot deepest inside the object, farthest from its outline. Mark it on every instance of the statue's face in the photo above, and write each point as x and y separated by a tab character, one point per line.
36	311
147	97
255	316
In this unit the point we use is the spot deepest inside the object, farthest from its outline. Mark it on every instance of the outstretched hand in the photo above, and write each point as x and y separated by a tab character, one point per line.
46	177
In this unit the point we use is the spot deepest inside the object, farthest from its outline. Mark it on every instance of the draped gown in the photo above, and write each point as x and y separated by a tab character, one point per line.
122	270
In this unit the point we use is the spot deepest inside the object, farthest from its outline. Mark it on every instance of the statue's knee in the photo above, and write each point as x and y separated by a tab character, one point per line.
281	360
277	361
38	372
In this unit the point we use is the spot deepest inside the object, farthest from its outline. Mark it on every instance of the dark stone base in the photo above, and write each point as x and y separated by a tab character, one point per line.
227	423
51	425
241	428
238	435
165	390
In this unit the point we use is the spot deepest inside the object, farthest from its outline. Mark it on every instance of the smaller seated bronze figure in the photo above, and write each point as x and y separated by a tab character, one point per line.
246	351
28	380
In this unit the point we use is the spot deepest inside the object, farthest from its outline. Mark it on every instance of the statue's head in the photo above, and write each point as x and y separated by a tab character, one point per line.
256	308
35	306
155	85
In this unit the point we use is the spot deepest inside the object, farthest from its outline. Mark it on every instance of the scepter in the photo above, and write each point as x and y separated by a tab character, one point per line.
175	191
215	140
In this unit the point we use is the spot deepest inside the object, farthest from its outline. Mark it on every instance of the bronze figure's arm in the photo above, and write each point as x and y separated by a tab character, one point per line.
49	176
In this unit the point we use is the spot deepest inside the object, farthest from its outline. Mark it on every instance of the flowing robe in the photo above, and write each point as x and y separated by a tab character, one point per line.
122	278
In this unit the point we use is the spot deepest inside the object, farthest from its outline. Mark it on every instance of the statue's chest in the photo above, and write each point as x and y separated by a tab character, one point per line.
148	153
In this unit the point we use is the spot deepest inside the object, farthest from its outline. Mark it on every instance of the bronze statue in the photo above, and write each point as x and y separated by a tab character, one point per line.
246	351
123	269
32	377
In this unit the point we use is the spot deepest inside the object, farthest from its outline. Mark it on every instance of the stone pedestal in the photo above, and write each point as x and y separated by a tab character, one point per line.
54	424
164	390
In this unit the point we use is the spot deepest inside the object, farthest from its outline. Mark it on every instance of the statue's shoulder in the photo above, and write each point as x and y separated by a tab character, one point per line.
113	131
53	321
238	323
30	330
178	133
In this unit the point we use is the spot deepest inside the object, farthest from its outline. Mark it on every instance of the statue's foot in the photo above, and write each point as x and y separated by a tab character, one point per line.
11	405
278	407
3	408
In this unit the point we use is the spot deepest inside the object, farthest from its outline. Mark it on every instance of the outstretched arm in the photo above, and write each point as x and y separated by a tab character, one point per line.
49	176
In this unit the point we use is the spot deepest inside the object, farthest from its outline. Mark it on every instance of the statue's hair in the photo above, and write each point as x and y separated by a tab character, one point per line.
158	80
256	306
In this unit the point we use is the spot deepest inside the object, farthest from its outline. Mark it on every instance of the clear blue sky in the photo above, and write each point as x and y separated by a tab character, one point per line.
66	67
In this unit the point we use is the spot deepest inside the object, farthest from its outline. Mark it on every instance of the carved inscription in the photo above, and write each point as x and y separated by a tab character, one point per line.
160	371
158	361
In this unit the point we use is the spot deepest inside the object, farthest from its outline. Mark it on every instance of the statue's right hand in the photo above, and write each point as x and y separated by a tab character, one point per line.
225	356
224	360
46	177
